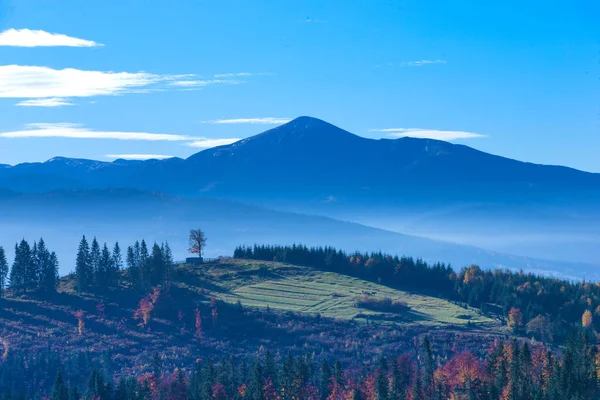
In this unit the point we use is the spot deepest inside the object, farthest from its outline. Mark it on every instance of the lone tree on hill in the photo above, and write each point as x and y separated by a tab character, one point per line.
197	242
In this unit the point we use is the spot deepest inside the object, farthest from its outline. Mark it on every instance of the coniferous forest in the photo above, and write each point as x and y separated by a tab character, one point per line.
549	351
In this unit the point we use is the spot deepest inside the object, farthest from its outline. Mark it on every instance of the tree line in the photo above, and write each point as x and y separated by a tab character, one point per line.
34	269
510	370
543	307
99	269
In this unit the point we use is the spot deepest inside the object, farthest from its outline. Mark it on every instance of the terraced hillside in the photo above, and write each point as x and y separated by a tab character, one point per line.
302	289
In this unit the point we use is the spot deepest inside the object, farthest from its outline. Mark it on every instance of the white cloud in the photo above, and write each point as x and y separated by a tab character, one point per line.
138	156
428	133
420	63
266	120
76	131
35	82
38	38
241	74
49	102
209	143
202	83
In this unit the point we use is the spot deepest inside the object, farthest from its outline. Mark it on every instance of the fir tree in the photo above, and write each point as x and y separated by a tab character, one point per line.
381	380
47	266
104	269
21	266
3	271
83	266
168	259
117	264
428	367
60	390
95	257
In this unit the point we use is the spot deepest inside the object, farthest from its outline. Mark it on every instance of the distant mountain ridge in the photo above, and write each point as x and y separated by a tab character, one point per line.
315	158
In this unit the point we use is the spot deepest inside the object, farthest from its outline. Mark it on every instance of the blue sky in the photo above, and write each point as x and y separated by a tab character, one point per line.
516	80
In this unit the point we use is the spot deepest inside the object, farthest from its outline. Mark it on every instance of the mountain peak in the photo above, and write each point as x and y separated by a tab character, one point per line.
305	129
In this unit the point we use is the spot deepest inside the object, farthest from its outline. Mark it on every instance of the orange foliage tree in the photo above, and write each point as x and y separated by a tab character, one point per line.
586	319
515	319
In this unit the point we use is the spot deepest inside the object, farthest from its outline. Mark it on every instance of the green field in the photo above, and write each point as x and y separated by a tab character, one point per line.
305	290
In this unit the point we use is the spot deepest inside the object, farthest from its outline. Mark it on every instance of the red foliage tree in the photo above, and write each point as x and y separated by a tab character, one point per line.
459	375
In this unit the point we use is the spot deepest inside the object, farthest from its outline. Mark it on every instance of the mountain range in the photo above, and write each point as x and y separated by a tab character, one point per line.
422	187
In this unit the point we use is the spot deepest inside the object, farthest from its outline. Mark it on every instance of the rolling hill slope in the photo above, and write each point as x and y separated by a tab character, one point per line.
237	317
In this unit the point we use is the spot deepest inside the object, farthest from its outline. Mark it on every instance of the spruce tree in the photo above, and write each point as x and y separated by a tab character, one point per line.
3	271
60	390
428	367
104	269
95	261
168	259
156	266
21	264
133	264
381	380
117	264
47	266
83	266
145	266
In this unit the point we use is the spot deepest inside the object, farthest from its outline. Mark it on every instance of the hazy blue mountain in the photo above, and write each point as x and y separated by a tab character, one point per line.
418	186
311	158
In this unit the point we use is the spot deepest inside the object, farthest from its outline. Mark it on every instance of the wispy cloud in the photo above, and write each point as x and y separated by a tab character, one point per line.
421	63
202	83
138	156
428	133
35	82
266	121
241	74
49	102
38	38
77	131
209	143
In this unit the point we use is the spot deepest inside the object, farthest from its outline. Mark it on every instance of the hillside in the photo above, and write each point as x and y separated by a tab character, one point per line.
243	305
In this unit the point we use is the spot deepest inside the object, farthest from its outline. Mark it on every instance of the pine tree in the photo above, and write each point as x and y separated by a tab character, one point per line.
47	266
325	379
144	266
255	386
168	258
95	257
20	267
381	380
83	266
133	264
104	269
60	390
270	368
3	271
428	367
96	388
156	266
117	264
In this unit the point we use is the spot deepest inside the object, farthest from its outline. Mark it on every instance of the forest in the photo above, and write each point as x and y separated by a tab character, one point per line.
509	371
551	354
